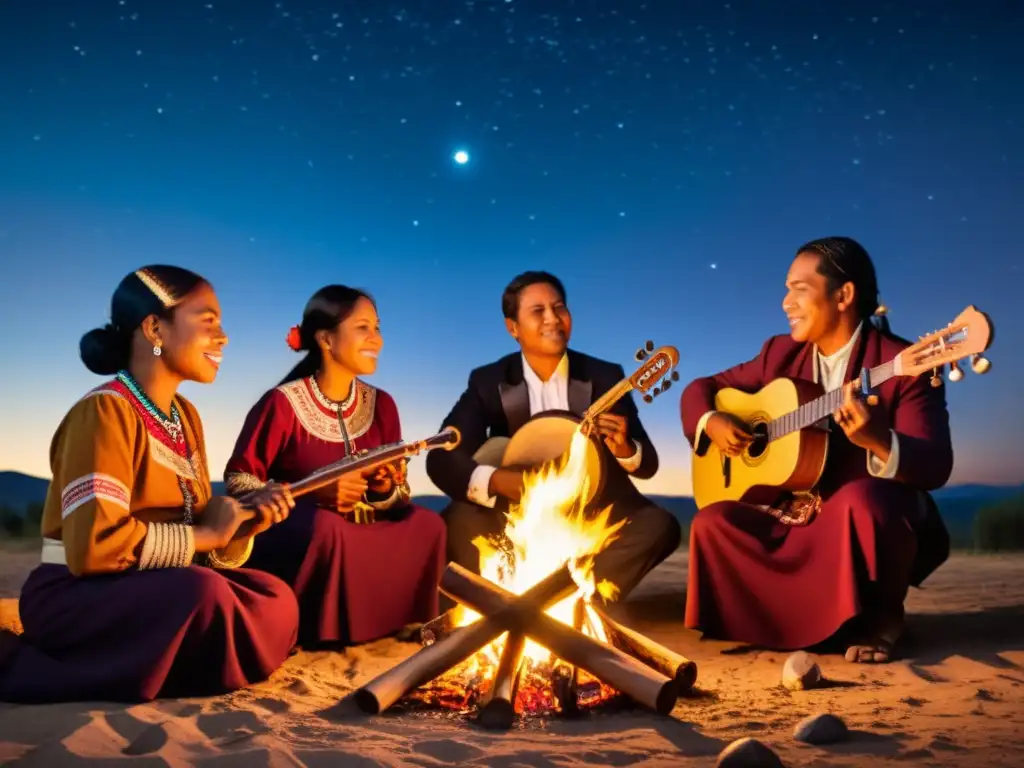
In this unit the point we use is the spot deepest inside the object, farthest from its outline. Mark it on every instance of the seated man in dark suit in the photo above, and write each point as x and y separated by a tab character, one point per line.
545	375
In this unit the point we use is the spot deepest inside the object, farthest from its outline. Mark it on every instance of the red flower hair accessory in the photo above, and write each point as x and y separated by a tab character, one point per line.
295	338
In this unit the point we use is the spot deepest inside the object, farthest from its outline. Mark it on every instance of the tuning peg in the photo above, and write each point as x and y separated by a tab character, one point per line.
656	391
649	345
980	365
955	374
665	385
648	399
675	375
640	354
936	380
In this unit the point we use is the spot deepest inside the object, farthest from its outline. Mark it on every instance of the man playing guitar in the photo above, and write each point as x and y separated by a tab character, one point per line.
795	572
547	376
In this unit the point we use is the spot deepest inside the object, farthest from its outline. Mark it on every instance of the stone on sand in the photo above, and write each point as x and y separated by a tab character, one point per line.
748	753
823	728
801	671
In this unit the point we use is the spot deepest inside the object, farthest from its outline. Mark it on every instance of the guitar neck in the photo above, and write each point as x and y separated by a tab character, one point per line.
822	407
606	401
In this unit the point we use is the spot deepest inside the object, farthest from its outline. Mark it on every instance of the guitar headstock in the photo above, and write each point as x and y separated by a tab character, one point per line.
657	364
968	335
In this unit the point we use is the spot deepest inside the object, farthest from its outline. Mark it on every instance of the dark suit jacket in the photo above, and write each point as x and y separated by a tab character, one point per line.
496	403
915	410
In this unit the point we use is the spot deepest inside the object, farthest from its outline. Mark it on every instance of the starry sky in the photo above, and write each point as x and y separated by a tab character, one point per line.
665	159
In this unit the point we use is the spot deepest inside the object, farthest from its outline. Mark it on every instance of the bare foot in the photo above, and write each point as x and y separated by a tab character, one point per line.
878	647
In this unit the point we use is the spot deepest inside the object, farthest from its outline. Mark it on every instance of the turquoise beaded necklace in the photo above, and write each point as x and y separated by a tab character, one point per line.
175	431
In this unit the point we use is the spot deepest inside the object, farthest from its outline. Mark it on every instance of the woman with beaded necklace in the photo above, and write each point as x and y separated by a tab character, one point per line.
363	561
121	608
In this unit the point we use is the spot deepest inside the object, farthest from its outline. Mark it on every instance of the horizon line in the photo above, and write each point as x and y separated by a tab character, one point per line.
1007	484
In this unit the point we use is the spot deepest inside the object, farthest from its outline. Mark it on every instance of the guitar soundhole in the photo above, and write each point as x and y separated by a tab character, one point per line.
760	442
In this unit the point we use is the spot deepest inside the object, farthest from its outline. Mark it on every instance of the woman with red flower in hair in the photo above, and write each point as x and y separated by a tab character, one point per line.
364	562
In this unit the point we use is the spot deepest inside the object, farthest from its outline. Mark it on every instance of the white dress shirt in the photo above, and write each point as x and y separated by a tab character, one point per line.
830	371
552	394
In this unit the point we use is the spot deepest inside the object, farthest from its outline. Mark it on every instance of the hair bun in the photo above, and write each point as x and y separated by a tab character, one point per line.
105	350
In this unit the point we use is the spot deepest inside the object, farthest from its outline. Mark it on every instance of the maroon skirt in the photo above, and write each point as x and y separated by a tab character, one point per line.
141	635
756	580
356	583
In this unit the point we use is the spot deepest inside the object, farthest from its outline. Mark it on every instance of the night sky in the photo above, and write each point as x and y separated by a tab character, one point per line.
664	158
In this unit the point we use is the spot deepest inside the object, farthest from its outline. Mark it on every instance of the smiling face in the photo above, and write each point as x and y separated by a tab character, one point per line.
543	324
192	340
814	310
355	342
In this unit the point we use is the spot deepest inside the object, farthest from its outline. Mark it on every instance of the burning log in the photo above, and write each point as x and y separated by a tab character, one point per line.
439	627
653	654
498	709
429	662
607	663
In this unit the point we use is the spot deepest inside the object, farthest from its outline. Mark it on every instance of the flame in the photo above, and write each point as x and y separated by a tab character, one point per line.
547	529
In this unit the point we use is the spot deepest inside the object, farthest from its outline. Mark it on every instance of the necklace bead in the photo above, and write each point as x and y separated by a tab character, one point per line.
174	429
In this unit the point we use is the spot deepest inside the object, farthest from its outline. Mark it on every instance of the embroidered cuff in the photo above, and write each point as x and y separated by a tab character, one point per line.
234	555
400	494
241	483
167	545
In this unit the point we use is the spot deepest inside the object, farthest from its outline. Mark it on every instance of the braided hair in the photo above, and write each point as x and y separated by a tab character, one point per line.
843	260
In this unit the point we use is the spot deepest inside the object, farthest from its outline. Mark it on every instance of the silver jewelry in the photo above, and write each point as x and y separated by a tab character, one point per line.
156	350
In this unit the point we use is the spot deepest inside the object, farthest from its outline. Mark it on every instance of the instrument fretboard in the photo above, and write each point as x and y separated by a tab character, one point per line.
822	407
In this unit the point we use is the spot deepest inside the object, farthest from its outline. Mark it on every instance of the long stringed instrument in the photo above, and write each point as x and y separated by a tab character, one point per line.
447	439
788	451
546	437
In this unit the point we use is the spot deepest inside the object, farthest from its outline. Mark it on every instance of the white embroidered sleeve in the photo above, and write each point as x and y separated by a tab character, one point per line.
241	483
167	545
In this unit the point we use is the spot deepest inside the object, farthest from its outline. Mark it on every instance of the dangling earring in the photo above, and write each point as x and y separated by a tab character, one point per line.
156	350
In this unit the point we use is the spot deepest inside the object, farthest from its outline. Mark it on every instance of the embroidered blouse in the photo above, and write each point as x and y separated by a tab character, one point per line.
127	484
294	430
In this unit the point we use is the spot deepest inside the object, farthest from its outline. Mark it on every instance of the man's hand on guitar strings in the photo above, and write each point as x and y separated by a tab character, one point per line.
862	423
730	435
615	431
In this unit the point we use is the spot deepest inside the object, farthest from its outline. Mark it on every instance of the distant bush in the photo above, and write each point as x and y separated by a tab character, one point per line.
1000	527
14	524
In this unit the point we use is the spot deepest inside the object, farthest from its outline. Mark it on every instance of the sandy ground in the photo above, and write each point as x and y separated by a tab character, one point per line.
956	698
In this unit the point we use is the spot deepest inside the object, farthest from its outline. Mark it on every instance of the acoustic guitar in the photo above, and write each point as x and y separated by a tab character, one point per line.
786	417
546	437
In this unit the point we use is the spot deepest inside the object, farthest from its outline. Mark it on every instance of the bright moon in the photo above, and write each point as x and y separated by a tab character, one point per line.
461	157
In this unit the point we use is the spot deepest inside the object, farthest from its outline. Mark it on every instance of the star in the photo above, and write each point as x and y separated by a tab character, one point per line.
461	157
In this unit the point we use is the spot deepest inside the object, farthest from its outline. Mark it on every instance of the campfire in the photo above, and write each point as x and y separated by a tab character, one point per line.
530	635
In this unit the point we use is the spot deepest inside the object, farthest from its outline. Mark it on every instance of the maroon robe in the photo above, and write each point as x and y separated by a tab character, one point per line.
755	579
355	582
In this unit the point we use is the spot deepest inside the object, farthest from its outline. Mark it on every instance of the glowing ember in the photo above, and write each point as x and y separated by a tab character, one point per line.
545	531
